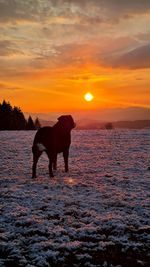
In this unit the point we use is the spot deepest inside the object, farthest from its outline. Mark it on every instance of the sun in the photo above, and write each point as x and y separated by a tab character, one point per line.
88	97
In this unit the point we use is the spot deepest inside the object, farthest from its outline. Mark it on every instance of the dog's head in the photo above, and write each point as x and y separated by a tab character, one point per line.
67	121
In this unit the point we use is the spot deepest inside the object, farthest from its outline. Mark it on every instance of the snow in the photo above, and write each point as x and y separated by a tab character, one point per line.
98	214
41	147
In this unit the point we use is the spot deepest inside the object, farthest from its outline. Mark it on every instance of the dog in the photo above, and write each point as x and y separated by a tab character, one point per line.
53	140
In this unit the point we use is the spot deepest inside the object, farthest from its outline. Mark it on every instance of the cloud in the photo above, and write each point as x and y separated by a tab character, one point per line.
14	10
80	54
100	11
137	58
7	11
8	48
144	36
85	11
127	6
5	87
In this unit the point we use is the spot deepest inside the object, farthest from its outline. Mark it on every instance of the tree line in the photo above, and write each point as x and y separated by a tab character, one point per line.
12	118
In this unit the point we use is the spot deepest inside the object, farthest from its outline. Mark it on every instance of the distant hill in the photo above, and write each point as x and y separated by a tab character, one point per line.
89	124
47	123
95	124
138	124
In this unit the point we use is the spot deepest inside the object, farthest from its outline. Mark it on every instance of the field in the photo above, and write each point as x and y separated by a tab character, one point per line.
98	214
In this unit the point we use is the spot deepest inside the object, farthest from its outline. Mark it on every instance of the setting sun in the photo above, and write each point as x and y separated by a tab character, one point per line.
88	97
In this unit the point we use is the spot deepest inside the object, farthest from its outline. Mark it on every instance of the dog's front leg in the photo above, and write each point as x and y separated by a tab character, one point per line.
55	163
65	155
50	167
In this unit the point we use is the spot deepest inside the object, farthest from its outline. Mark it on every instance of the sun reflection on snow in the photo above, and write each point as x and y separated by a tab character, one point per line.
70	181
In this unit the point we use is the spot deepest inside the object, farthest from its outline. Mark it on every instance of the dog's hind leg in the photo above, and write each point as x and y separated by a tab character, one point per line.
36	156
65	155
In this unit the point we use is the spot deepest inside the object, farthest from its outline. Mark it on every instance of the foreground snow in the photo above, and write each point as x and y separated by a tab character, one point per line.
96	215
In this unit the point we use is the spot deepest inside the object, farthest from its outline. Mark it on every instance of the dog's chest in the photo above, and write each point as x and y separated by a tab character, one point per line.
61	142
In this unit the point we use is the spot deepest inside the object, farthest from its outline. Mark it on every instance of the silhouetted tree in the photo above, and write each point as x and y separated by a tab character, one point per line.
30	124
37	124
6	116
13	118
19	121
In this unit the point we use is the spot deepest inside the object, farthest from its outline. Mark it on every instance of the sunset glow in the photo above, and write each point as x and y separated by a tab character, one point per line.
50	50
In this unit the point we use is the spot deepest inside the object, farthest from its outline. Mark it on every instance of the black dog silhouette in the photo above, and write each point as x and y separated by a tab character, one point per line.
53	140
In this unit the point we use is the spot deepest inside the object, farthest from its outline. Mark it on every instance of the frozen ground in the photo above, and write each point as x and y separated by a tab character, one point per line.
96	215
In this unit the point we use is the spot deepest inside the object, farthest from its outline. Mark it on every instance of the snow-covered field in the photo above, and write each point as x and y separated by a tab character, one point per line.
96	215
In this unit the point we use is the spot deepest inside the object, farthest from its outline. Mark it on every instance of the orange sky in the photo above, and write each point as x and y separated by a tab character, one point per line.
53	52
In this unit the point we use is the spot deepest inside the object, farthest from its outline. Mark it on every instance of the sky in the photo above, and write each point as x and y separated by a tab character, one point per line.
54	51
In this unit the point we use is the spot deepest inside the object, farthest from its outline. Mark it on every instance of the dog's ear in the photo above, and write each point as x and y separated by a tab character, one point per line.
60	118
